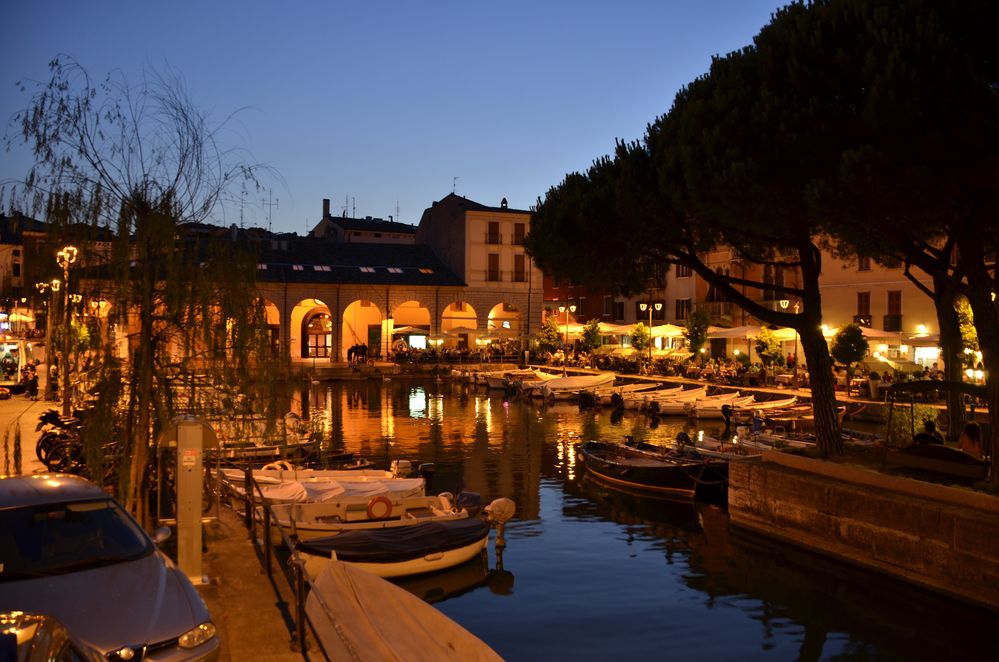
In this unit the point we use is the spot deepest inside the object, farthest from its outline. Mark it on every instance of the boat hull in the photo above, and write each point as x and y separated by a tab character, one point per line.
402	551
617	466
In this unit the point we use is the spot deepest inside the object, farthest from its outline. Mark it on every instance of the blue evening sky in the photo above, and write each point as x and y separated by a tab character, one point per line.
382	104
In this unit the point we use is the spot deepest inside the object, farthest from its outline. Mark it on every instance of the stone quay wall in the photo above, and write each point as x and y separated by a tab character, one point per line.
941	538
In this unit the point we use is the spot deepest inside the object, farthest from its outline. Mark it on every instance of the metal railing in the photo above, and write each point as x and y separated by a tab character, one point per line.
298	580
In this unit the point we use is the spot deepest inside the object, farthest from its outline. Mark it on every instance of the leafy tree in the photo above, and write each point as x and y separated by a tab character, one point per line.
966	319
695	330
849	346
641	337
134	164
550	335
591	336
769	348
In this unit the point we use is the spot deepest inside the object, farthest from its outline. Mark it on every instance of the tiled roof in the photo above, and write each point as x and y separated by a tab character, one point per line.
12	227
373	225
317	261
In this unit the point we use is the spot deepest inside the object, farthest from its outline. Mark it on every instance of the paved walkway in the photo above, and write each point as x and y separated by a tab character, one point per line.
252	612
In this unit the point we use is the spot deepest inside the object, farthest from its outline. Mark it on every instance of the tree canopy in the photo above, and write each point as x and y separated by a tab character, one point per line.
820	136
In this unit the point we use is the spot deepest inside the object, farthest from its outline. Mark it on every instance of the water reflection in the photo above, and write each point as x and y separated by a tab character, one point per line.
600	573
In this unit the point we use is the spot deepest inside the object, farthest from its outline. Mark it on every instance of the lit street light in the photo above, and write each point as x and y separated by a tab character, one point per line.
51	287
565	351
648	306
65	258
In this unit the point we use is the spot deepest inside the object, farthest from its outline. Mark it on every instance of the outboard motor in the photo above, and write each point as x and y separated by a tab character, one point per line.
471	501
427	471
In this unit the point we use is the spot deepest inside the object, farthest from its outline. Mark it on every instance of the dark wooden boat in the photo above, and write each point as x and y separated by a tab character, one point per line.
655	472
400	551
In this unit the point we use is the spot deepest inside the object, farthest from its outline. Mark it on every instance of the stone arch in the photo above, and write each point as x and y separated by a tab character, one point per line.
273	316
459	325
363	324
311	326
504	334
415	317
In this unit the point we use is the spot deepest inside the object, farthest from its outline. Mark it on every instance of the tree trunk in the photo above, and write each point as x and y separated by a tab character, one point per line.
986	314
950	344
823	387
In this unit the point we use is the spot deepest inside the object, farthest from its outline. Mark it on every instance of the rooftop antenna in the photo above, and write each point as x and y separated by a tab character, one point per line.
270	206
454	184
346	205
397	209
242	202
353	207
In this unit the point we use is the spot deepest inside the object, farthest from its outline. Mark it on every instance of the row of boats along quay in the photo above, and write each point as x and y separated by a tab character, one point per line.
670	461
661	517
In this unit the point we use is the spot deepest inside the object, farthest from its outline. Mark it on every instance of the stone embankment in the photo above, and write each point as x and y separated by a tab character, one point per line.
941	538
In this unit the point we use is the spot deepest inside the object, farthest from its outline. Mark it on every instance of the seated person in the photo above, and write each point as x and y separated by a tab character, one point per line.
970	440
929	435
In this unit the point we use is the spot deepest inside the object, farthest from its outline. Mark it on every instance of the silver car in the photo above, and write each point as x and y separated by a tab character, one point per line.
69	550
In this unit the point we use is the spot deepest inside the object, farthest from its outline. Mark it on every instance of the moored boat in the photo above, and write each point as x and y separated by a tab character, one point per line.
569	387
359	616
399	551
665	473
316	519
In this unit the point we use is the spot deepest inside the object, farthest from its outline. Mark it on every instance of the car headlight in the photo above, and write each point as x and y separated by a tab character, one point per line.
197	636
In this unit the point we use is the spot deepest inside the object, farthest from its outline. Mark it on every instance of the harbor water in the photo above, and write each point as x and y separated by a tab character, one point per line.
590	573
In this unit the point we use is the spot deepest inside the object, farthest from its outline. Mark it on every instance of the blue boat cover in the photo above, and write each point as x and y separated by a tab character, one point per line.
399	543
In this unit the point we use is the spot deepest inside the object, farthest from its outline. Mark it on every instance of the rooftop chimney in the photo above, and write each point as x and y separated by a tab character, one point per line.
326	207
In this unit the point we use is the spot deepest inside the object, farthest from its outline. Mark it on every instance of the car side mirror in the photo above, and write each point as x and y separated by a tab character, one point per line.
161	534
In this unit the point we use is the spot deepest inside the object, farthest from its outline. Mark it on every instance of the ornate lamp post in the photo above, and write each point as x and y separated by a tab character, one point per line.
65	258
649	306
52	287
563	309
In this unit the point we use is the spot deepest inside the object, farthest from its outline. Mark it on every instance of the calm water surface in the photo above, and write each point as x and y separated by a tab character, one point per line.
589	573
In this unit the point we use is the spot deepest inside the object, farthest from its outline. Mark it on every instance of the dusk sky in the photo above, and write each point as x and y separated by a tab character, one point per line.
380	105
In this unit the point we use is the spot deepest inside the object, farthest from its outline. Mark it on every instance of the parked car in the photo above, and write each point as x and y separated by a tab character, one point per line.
40	638
70	551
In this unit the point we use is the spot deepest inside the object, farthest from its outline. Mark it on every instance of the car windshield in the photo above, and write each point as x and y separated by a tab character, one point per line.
55	538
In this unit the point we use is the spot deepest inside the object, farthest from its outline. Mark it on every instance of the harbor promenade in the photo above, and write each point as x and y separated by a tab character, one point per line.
253	613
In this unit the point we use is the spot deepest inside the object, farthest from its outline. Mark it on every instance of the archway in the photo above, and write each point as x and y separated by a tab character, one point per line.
363	324
459	325
273	316
410	326
504	329
317	336
309	323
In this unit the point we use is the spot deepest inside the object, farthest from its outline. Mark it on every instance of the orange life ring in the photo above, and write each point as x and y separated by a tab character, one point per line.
376	512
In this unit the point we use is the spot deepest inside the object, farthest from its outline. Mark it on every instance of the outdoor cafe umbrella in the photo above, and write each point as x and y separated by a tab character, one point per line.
410	331
666	331
458	330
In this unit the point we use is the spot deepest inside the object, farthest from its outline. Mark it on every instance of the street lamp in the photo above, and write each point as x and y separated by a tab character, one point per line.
52	287
784	304
65	258
562	309
649	306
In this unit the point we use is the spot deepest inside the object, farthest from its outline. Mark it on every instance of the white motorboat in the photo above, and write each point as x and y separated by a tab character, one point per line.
569	387
642	399
605	396
282	483
712	407
316	519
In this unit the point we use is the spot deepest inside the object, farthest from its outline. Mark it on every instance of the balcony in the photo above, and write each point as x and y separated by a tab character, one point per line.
519	276
494	238
893	323
863	320
493	276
